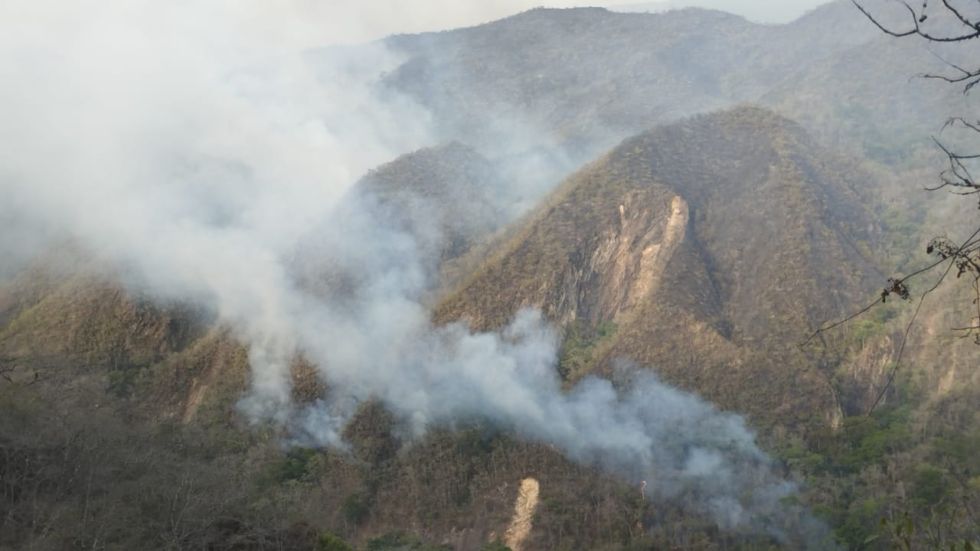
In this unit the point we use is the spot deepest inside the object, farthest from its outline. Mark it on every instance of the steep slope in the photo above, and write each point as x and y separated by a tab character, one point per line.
580	80
873	97
115	400
89	322
108	396
733	232
705	250
553	64
68	317
447	197
591	77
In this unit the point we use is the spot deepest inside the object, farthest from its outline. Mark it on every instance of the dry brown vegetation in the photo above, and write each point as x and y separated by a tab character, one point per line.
118	427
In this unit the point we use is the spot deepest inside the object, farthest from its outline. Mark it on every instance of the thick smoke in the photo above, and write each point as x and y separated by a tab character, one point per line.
198	151
377	343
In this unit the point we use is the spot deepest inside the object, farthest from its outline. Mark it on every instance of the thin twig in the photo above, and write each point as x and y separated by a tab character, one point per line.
874	303
916	29
905	340
908	328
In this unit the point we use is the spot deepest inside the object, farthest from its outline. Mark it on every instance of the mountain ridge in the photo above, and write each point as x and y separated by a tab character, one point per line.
697	237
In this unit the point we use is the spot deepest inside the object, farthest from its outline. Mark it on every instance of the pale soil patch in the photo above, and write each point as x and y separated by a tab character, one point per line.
524	508
194	401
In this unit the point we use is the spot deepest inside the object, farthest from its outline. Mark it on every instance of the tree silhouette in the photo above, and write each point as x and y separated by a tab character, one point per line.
960	24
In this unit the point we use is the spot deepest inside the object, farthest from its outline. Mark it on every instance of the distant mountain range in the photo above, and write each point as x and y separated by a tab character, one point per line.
586	78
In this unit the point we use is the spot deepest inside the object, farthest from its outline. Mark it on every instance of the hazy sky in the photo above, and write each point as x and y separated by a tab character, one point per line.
345	21
310	23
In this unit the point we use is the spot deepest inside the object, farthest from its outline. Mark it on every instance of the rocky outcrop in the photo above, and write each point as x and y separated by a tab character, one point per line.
712	246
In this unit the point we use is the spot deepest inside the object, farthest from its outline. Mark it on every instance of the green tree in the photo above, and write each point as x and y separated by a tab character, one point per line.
330	542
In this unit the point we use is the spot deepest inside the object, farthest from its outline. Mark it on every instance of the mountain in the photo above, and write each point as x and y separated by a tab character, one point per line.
593	74
587	78
452	188
68	311
695	233
145	393
602	167
881	107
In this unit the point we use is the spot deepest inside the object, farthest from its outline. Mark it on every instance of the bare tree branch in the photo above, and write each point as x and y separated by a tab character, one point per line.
917	30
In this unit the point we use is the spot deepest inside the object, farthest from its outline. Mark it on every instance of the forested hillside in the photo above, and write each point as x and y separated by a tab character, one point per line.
687	196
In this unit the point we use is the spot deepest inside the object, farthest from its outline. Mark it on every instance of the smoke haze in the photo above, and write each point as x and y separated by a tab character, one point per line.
754	10
197	149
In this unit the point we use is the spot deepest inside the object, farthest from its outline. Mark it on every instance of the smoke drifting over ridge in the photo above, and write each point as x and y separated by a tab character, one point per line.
213	164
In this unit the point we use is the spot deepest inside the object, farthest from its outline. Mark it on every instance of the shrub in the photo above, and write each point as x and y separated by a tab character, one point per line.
397	541
330	542
356	508
929	486
295	466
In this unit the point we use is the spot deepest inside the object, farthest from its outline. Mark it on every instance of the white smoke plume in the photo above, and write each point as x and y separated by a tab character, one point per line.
196	148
